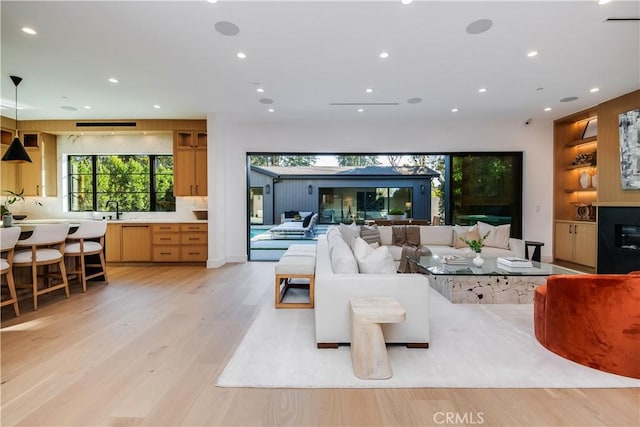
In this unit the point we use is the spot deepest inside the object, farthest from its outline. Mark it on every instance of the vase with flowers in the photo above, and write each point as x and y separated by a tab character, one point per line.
476	246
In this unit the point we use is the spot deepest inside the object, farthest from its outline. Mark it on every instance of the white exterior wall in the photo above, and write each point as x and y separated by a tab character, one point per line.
230	139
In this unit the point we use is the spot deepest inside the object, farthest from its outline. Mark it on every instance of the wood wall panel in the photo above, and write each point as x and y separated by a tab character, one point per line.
67	126
610	187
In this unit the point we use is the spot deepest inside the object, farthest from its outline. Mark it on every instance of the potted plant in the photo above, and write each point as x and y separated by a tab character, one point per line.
11	198
476	246
396	214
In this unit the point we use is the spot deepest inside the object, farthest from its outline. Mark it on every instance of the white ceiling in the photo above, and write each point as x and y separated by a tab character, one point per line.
307	55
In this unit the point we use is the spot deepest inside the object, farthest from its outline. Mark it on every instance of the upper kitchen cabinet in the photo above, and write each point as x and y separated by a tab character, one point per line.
39	178
190	163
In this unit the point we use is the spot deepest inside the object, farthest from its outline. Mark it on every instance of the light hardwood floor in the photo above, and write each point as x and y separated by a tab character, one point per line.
147	350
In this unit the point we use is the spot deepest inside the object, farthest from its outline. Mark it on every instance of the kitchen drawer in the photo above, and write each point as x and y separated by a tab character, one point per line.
166	239
166	253
193	227
193	238
166	228
193	253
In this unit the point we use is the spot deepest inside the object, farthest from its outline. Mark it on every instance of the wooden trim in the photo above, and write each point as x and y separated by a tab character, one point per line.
69	126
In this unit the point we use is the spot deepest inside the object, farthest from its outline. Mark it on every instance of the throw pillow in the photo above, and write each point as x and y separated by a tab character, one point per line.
498	235
342	259
413	235
349	232
379	261
307	220
399	235
361	248
469	233
370	234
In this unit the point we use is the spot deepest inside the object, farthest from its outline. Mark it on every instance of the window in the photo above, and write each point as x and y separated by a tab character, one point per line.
361	203
139	183
256	205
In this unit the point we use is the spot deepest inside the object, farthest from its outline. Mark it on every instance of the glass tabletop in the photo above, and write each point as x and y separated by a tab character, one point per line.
436	265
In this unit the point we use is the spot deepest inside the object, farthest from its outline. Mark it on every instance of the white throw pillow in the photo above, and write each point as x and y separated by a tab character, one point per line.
498	235
379	261
436	235
349	232
342	259
361	249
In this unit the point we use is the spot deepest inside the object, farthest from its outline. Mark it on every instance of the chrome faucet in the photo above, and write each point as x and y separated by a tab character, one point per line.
109	202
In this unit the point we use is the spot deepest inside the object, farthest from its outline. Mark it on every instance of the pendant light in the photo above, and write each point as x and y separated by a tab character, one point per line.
16	152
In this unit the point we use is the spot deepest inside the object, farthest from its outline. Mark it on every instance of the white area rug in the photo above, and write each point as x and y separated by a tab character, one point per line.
471	346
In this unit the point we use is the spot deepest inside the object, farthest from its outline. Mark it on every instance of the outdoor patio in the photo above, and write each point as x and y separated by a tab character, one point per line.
264	247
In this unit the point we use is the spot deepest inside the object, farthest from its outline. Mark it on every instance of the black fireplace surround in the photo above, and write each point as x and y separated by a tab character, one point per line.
618	239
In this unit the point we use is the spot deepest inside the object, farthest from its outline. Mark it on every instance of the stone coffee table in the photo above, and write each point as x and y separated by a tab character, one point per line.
489	284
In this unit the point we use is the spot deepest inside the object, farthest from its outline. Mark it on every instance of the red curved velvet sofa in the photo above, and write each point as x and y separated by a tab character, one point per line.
592	319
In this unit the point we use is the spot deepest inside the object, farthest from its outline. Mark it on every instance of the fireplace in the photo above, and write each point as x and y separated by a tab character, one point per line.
618	239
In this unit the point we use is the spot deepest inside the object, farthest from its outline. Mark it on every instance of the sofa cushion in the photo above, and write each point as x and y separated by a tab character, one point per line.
307	220
370	234
385	235
349	232
468	232
498	235
342	259
373	261
436	235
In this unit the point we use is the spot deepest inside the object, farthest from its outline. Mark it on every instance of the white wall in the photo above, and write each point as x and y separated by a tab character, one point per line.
230	139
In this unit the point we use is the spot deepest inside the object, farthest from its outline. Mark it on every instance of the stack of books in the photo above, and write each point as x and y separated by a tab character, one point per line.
512	262
454	260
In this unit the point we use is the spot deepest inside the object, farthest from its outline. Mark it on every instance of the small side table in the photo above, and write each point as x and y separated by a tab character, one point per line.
368	349
536	249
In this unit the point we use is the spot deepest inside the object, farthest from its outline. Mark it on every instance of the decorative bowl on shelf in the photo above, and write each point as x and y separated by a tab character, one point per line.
201	213
19	217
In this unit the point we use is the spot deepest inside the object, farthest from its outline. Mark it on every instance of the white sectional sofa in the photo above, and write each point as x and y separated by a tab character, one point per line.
339	277
333	292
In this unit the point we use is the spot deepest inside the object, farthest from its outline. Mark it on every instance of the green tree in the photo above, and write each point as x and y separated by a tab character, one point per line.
280	160
358	160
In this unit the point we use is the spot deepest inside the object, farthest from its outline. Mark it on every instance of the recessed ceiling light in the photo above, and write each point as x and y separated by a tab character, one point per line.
212	1
241	55
479	26
271	110
227	28
29	30
594	89
259	90
384	55
87	107
113	80
360	110
156	106
482	90
454	110
547	109
369	90
603	1
406	1
532	53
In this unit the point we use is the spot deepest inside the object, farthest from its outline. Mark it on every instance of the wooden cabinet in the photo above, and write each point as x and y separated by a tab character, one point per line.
576	241
190	163
39	178
113	242
166	242
157	242
136	242
193	241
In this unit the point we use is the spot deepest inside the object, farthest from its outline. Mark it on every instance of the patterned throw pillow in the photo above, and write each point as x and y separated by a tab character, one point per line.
370	234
